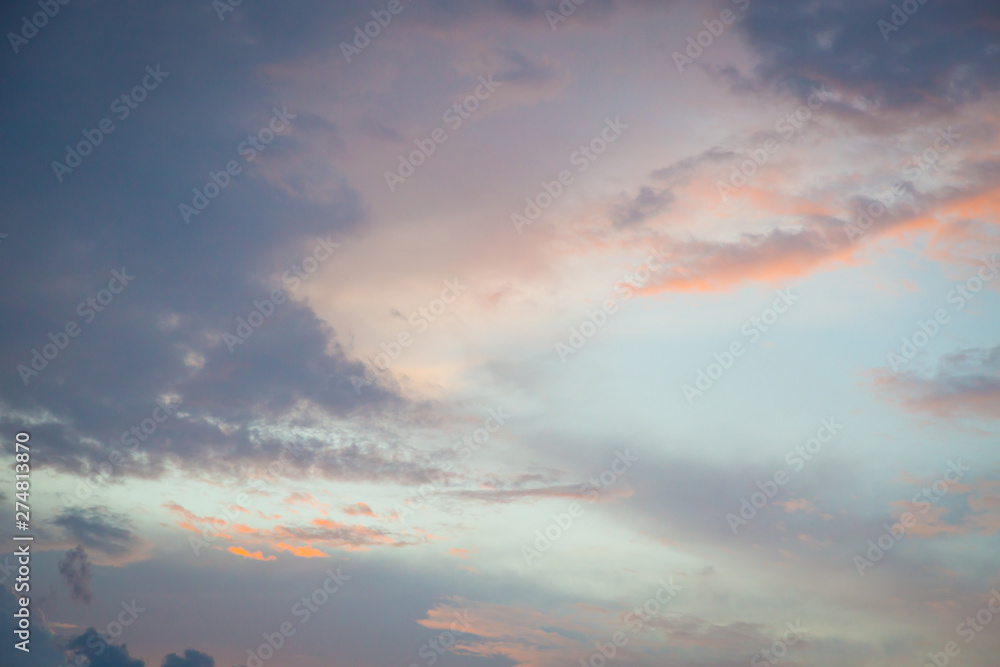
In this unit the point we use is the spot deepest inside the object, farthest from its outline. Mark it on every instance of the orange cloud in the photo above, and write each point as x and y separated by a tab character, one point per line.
801	505
983	498
358	509
819	239
301	552
256	555
299	498
322	532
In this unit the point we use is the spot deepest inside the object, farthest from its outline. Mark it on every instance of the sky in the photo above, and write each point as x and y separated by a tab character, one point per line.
501	333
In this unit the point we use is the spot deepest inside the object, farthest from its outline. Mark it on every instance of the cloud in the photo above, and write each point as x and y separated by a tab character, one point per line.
803	237
975	510
682	170
534	638
358	509
301	551
299	498
75	571
522	77
100	653
640	208
964	384
942	57
192	658
300	541
582	491
256	555
163	336
774	256
102	531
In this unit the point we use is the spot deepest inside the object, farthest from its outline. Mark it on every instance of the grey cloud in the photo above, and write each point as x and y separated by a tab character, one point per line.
943	56
643	206
119	209
98	529
192	658
100	653
963	384
681	171
75	571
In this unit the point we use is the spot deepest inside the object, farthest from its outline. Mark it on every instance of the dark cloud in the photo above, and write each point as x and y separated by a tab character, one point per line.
162	336
98	529
99	652
75	571
192	658
943	56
